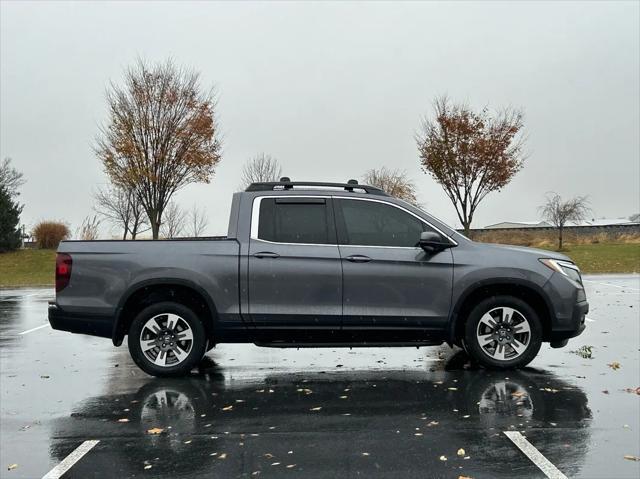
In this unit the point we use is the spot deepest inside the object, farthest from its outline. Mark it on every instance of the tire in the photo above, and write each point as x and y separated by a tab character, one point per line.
508	328
166	354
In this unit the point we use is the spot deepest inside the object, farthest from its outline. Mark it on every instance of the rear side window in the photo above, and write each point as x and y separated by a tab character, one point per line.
293	220
368	223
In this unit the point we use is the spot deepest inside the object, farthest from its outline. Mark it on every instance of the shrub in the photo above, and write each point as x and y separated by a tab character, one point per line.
48	234
9	219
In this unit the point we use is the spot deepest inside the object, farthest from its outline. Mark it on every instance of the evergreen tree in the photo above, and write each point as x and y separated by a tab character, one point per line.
9	221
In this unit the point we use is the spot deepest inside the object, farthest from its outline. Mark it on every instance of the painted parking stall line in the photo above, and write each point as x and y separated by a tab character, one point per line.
34	329
68	462
549	470
627	288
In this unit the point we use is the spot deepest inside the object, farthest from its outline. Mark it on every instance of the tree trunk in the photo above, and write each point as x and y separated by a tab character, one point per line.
560	239
154	222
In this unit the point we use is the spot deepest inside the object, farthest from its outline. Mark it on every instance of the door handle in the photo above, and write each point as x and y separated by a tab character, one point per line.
266	254
358	258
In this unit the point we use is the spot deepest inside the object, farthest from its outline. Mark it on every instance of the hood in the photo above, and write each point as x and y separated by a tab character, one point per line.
538	253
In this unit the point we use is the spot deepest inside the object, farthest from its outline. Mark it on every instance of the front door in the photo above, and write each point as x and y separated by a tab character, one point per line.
295	275
389	282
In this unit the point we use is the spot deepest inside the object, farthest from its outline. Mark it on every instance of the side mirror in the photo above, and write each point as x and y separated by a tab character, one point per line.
432	242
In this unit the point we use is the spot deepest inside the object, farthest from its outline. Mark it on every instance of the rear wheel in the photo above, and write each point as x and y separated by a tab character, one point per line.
503	332
167	339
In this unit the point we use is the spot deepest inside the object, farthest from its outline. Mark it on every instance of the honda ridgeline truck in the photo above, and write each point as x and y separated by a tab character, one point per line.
316	265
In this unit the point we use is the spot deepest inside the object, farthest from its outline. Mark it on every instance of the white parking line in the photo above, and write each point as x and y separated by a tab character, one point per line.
34	329
612	285
549	470
68	462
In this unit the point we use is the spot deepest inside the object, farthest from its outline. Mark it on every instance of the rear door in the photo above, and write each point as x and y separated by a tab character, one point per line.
295	274
389	282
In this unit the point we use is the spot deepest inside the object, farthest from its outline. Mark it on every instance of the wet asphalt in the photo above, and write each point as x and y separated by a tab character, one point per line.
258	412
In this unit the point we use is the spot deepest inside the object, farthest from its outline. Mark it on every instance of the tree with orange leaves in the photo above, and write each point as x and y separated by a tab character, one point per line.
161	135
470	154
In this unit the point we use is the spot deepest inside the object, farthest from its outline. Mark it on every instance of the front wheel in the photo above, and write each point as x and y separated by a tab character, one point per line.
503	332
167	339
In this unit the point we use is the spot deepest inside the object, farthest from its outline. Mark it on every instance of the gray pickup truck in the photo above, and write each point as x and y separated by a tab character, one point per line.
318	264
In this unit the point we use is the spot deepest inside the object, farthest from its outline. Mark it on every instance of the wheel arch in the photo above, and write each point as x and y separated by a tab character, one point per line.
525	290
150	291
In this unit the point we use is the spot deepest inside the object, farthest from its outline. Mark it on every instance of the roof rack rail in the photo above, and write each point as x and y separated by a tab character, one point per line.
286	184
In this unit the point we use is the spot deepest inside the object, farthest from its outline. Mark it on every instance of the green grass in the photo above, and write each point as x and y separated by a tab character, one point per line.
34	267
605	257
28	267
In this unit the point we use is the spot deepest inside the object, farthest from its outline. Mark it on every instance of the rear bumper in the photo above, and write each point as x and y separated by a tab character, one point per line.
93	325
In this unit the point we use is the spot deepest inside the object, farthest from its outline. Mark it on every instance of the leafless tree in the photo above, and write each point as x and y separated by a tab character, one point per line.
122	209
559	212
260	168
10	178
90	228
198	221
174	221
395	182
470	153
161	135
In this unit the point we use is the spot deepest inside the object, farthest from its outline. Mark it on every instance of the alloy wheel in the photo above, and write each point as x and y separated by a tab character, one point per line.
166	339
503	333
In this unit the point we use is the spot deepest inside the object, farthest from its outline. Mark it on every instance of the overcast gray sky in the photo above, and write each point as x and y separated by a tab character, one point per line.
333	89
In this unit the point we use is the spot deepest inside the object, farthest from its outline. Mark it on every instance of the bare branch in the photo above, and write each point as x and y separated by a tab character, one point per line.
395	182
198	221
559	213
174	221
10	178
259	169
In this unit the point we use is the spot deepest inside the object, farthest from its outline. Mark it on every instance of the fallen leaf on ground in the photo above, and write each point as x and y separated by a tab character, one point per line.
461	452
290	466
614	365
605	391
12	466
227	408
148	466
268	455
365	453
464	477
155	430
315	408
443	458
633	391
124	419
631	458
222	456
275	464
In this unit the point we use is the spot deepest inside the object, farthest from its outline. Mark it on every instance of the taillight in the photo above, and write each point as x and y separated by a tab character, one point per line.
63	271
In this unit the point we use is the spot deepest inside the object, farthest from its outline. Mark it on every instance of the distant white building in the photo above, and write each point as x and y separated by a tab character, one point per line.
545	224
518	224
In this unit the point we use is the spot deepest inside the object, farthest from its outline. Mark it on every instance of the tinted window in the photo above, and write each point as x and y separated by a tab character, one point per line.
285	221
370	223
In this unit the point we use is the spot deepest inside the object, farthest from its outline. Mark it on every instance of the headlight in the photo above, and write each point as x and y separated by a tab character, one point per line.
566	268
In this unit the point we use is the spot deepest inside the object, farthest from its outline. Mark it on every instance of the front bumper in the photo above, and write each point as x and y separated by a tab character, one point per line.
91	324
570	308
